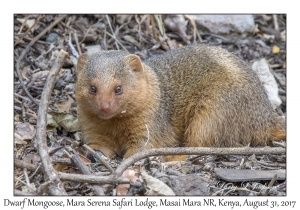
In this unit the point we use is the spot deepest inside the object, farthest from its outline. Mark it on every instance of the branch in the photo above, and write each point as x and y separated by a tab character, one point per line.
27	49
99	158
75	177
195	151
98	190
56	187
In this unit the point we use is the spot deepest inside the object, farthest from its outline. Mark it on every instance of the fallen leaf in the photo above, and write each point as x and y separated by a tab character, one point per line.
18	141
122	188
64	106
51	123
67	121
275	49
28	23
17	117
30	188
26	131
154	186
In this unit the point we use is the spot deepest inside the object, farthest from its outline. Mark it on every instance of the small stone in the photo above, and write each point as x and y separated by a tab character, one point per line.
51	37
225	24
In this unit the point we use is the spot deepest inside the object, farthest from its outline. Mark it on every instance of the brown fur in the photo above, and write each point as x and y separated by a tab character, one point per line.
196	96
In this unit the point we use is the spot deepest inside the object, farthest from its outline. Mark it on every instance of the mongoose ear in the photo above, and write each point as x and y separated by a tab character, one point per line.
135	63
80	62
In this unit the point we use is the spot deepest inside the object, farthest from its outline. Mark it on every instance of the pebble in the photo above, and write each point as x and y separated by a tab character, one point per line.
52	37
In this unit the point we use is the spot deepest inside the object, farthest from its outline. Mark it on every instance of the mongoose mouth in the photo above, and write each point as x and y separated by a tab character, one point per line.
106	115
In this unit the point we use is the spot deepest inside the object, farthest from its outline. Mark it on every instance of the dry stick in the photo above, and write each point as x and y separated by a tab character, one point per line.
56	187
99	158
116	40
195	151
92	179
278	79
23	35
77	43
72	48
18	192
23	24
27	48
75	177
112	31
195	28
30	167
275	22
153	27
98	190
270	185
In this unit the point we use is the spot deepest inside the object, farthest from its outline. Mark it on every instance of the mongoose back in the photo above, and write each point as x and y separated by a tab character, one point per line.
194	96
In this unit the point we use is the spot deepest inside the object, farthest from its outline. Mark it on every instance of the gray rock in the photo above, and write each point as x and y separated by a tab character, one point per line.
51	37
190	184
225	24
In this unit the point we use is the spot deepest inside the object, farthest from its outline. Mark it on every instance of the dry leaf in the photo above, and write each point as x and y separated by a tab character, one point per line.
122	188
64	106
133	41
84	159
51	123
18	141
17	117
31	188
28	23
154	186
275	49
67	121
26	131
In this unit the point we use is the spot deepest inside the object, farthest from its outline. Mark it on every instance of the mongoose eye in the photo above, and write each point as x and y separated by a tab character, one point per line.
93	90
118	90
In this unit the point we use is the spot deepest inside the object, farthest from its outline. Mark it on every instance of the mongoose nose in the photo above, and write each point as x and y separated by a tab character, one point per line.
105	108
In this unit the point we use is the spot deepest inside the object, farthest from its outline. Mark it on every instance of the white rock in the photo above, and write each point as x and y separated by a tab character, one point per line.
261	67
225	24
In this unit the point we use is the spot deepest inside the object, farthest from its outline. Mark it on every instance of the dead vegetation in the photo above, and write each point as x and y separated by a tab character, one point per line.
48	147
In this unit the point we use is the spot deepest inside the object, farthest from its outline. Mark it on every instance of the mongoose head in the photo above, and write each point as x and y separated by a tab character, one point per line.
107	83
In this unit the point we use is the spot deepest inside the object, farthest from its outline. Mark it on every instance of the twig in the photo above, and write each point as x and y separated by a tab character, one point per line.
153	27
98	190
99	158
26	176
271	164
77	43
64	161
75	177
116	40
22	97
23	35
112	31
195	151
270	185
92	179
278	79
275	22
72	48
56	187
30	167
23	24
18	192
43	188
27	48
232	190
28	185
195	28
